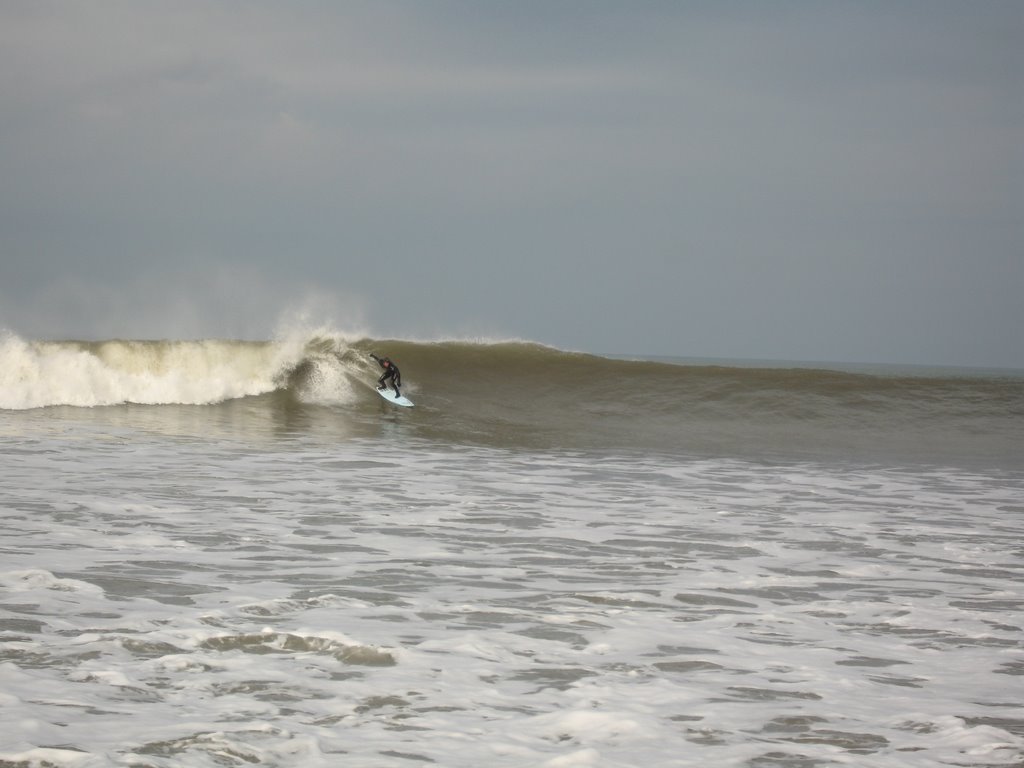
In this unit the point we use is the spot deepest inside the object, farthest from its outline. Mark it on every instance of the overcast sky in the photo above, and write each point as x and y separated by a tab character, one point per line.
784	180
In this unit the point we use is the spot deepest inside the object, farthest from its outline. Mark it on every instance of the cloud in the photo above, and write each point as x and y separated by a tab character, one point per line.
553	170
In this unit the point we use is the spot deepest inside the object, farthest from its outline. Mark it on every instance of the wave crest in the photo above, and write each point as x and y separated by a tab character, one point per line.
35	374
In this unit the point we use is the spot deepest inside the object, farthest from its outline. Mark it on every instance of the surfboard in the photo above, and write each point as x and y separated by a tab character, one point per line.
389	395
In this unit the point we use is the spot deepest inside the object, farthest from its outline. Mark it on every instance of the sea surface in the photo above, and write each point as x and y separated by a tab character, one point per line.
224	553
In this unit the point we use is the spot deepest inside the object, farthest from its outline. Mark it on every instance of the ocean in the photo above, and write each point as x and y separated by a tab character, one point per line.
230	553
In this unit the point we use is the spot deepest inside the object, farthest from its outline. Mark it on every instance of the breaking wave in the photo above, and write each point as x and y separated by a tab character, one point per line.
520	393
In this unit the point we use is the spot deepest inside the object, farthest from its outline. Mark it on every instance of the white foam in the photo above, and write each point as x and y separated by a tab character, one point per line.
39	579
37	374
44	756
580	757
166	596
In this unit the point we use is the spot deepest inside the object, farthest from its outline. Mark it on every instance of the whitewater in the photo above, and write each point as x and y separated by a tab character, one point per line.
222	553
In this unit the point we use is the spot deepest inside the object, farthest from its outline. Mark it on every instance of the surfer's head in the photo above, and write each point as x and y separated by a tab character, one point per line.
386	361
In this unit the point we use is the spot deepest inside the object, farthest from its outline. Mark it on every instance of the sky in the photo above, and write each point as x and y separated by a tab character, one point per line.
781	180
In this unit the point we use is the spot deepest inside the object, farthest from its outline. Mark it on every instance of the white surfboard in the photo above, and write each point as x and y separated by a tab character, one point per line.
389	395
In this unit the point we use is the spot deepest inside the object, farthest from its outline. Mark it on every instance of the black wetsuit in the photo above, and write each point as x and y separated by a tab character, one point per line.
391	373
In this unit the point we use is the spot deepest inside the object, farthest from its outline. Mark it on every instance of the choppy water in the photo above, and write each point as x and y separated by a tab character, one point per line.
167	600
552	560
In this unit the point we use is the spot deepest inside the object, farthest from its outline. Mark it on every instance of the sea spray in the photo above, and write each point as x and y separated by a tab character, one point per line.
324	363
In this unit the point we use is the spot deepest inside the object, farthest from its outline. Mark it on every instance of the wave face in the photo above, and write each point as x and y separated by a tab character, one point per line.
518	393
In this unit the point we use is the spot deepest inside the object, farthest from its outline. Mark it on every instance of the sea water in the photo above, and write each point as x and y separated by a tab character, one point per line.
195	585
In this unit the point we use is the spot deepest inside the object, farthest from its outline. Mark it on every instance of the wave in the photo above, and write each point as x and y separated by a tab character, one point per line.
39	374
318	367
522	393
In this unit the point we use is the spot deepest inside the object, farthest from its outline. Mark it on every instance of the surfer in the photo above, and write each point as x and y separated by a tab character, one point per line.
391	373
